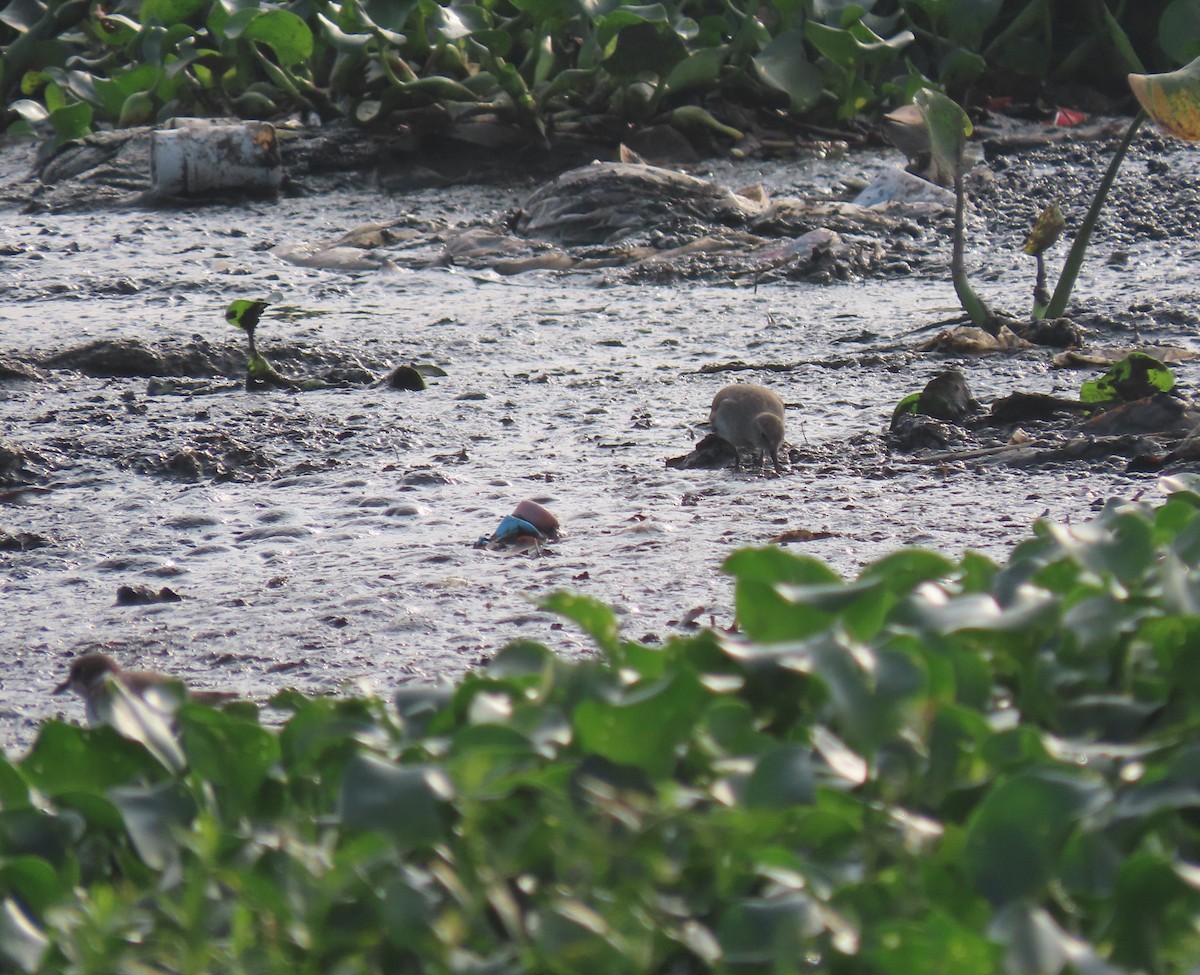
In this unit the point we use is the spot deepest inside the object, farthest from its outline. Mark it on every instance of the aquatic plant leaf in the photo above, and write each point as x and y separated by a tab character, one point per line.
933	608
935	8
939	944
71	122
782	778
33	112
417	704
33	879
210	736
21	941
405	802
1136	376
14	790
590	615
1016	834
348	42
694	116
615	729
699	69
1036	945
784	66
1120	41
167	12
154	817
285	33
764	931
907	405
764	611
1179	31
1151	891
855	43
67	758
902	571
245	314
948	127
522	661
571	936
1049	227
22	15
1121	547
1172	100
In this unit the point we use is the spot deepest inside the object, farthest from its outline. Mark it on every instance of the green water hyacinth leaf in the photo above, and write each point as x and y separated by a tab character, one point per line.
909	404
1172	100
592	616
71	122
697	70
784	66
1037	945
210	736
616	728
782	778
764	930
1136	376
856	43
948	127
67	758
406	802
1179	30
245	314
759	602
169	12
285	33
935	609
22	15
34	880
155	817
693	116
1151	893
1016	835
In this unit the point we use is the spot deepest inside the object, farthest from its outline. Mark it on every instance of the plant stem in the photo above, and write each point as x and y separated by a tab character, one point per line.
973	305
1041	297
1070	271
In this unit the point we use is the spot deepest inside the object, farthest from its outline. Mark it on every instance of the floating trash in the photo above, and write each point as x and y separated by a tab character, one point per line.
527	527
200	157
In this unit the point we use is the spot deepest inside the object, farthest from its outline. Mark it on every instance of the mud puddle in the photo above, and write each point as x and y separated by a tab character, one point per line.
323	539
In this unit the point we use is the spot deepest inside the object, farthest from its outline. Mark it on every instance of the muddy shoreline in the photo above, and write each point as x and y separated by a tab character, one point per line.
323	540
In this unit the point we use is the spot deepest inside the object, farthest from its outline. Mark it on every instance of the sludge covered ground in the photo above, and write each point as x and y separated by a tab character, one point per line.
324	539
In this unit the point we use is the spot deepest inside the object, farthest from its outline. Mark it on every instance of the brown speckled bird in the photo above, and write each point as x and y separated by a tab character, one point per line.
91	675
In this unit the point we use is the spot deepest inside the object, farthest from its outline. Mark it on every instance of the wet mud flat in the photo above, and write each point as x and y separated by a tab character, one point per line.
323	539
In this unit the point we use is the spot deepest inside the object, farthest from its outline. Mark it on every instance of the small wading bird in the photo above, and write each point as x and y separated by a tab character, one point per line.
749	417
92	676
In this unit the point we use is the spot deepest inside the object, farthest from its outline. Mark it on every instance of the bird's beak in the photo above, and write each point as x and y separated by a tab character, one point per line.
63	687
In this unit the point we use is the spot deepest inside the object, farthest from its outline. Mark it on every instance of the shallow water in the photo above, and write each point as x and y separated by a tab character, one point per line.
349	559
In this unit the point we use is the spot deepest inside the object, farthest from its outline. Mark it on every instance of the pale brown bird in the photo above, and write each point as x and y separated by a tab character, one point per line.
92	675
749	417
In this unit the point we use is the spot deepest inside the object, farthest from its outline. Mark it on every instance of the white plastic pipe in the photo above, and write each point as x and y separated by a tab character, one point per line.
194	157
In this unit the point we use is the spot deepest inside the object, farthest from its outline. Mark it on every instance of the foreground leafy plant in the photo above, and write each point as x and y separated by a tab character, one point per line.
937	760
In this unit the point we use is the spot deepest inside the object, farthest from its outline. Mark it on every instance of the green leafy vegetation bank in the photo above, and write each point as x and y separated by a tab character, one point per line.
554	69
956	766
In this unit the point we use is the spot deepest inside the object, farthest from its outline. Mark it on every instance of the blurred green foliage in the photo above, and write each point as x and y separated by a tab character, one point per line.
550	67
939	765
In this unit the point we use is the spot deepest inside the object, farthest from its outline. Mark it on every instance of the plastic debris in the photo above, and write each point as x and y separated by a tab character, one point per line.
527	527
